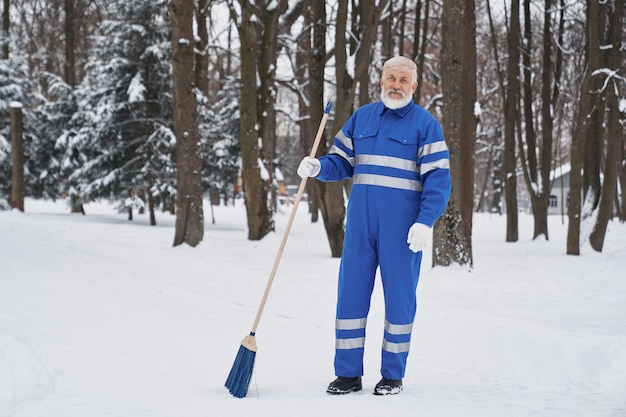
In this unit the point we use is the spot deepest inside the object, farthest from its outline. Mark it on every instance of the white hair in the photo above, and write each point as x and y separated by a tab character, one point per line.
401	63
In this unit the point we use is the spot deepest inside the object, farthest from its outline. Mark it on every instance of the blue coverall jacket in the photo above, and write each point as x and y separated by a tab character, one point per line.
399	163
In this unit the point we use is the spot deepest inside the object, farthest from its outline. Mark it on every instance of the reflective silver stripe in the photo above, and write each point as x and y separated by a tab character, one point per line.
391	182
387	161
396	347
345	141
442	163
354	343
398	328
350	324
341	153
432	148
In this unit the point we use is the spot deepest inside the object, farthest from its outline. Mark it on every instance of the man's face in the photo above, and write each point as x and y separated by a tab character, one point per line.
397	87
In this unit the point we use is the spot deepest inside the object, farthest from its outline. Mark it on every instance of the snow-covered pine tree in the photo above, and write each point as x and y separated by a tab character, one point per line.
219	133
123	127
14	87
54	157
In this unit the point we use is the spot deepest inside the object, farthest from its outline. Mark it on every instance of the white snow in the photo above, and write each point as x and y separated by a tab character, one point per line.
477	110
265	175
102	317
136	89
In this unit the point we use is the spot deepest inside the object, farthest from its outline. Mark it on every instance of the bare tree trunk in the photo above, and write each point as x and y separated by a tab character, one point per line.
151	110
579	140
202	53
366	11
151	208
594	143
496	53
331	194
483	190
497	165
594	148
537	169
611	165
343	101
510	114
622	180
558	62
416	37
266	65
421	59
317	62
609	186
540	211
189	211
527	97
386	26
402	28
17	158
202	66
622	177
6	25
258	32
258	213
528	148
453	232
303	62
575	191
69	72
70	60
592	163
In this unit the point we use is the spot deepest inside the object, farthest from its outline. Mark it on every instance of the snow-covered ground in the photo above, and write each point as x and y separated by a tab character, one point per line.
101	317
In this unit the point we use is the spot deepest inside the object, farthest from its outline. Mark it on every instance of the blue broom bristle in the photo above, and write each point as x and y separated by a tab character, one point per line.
239	377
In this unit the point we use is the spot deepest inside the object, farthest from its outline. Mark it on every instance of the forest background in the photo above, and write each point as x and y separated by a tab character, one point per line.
158	104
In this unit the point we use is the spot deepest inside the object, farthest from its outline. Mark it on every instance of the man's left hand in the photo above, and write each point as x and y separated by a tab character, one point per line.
419	236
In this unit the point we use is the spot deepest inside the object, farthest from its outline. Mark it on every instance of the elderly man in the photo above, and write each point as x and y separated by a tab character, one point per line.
395	152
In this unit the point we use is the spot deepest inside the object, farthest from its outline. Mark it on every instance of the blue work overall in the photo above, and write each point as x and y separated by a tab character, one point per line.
399	163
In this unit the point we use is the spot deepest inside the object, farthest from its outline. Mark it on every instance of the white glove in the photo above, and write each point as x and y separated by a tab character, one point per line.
309	167
419	236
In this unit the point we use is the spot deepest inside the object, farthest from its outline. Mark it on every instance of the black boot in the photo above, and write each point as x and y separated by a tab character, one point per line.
343	385
388	387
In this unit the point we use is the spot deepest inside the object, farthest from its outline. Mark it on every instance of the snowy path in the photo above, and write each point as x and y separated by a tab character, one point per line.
103	318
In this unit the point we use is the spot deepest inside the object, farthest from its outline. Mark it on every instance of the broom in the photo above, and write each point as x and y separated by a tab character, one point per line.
239	377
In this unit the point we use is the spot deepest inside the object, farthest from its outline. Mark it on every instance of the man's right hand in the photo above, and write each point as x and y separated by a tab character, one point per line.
309	167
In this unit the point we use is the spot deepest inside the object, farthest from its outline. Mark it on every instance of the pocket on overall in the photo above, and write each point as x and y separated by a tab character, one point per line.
404	144
364	140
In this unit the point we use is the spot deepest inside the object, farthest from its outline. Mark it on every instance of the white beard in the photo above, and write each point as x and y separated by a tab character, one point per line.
393	103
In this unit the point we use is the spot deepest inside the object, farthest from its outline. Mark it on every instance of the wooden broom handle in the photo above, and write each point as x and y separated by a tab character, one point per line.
270	281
